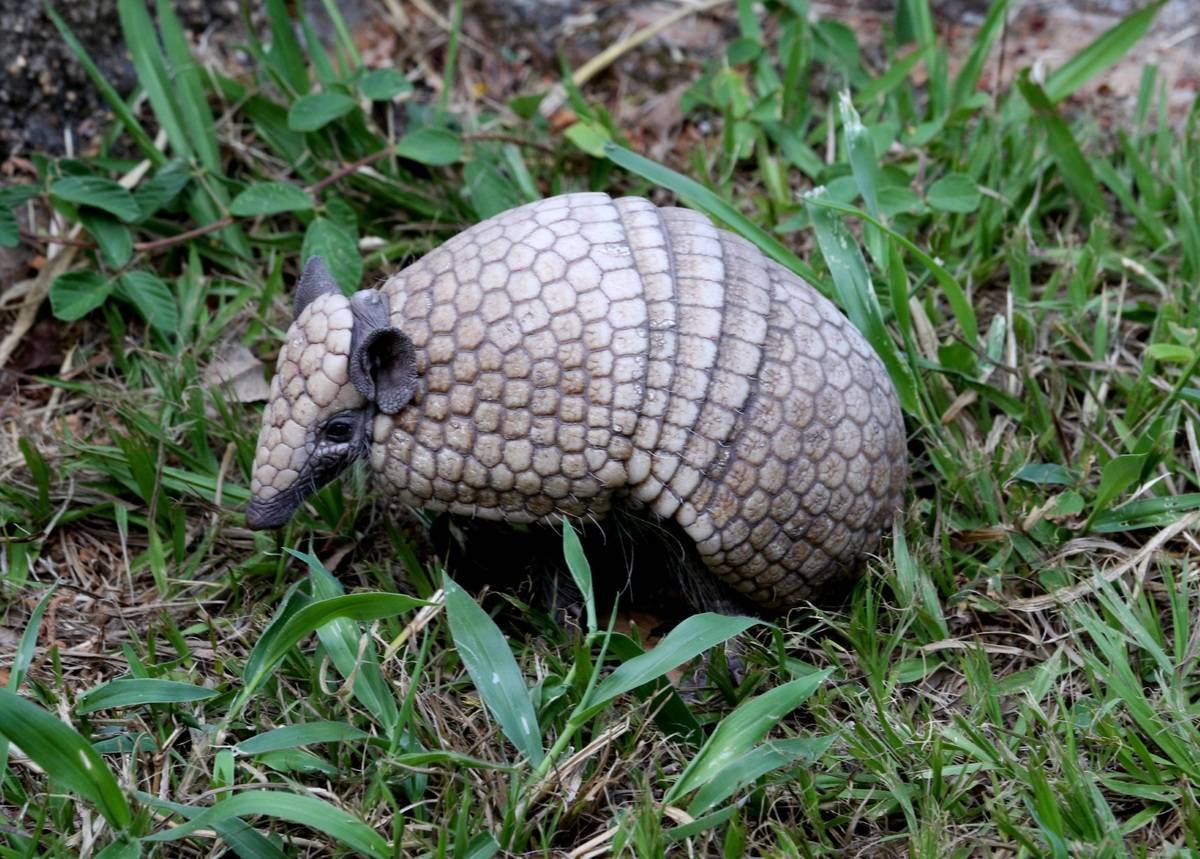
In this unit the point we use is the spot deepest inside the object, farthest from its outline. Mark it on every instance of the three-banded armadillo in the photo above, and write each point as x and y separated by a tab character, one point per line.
580	352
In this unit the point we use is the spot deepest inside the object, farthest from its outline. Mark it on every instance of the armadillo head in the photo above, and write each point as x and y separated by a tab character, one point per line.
342	362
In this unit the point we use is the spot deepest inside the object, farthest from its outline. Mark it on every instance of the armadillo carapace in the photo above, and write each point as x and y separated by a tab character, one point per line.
582	352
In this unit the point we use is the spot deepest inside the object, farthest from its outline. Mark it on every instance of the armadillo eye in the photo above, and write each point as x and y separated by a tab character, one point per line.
339	431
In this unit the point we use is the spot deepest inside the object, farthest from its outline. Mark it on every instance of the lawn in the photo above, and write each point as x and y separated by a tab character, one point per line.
1014	675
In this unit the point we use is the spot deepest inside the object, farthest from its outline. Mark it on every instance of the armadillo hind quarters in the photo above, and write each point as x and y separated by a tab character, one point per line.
583	352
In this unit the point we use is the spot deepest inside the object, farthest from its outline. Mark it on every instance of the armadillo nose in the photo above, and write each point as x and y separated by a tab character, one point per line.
265	515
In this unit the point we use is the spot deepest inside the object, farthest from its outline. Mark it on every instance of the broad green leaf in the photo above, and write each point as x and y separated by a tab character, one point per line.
293	807
296	761
162	188
153	299
135	691
433	146
1118	474
581	571
113	237
686	641
482	846
1170	352
1045	473
489	190
270	198
384	85
754	764
589	136
99	193
77	293
1146	513
490	663
303	734
954	192
280	638
15	195
10	230
123	848
339	249
672	715
741	730
59	749
314	111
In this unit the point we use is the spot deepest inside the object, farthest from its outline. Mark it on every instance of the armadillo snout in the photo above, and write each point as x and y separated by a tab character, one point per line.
311	384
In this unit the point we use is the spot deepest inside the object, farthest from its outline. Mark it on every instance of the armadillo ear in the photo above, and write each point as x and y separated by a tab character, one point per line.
383	366
383	363
315	281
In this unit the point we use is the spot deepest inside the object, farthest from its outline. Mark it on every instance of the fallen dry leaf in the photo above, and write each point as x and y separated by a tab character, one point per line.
240	373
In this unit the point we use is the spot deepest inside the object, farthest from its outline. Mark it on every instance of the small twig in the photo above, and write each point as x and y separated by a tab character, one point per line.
346	169
45	239
158	244
1098	579
557	95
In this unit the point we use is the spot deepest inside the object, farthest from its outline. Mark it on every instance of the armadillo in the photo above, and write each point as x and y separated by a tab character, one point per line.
582	352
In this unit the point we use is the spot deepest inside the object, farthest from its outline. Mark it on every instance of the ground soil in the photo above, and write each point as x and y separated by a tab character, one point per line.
47	104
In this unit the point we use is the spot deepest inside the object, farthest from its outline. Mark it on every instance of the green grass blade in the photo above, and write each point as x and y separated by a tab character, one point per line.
493	669
23	658
189	85
136	691
1107	49
1117	475
343	639
741	730
685	642
285	54
581	571
303	734
852	283
1074	168
276	641
119	108
753	765
151	67
345	41
701	198
1146	513
861	153
293	807
981	47
59	749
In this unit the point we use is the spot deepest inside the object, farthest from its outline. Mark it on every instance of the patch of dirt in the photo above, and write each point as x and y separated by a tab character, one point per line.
47	102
